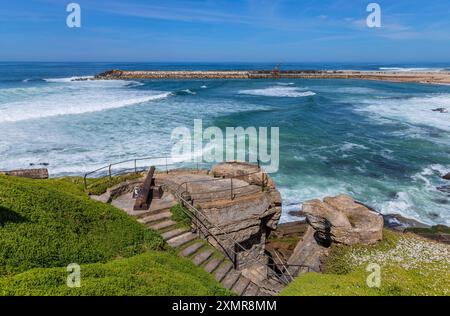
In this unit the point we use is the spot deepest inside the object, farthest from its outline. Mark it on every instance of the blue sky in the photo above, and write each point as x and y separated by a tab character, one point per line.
225	30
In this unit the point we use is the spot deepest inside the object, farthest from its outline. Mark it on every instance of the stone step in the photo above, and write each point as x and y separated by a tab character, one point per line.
173	233
186	252
240	286
202	257
155	217
163	224
148	213
213	264
251	290
230	279
181	240
222	271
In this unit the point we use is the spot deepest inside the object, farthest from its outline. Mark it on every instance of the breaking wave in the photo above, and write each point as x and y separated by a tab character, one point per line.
286	92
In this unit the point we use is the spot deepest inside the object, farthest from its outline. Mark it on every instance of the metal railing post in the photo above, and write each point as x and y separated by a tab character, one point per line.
110	174
85	182
135	166
167	169
263	181
231	188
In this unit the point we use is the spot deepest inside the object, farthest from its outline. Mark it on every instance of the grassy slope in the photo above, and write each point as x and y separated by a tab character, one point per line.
154	273
409	266
52	223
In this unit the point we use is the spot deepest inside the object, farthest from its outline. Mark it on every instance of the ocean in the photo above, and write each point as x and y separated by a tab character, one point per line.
377	141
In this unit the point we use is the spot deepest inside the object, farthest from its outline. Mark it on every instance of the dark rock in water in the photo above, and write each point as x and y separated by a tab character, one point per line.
446	177
45	164
440	110
400	223
444	189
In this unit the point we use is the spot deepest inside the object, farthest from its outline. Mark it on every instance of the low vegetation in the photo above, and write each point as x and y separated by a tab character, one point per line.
98	186
45	225
410	265
154	273
180	215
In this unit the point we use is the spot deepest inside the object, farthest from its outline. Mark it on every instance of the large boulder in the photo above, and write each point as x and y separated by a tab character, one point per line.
446	177
342	220
244	171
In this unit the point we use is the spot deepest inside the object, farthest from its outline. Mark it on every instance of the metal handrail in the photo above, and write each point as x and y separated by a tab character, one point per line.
232	188
231	240
167	162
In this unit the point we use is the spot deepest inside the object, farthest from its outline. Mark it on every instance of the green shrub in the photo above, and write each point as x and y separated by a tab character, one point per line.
153	273
51	223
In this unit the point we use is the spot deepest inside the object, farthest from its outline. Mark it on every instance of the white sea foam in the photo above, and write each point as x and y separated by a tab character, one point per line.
285	83
68	98
288	92
412	69
189	91
416	110
347	146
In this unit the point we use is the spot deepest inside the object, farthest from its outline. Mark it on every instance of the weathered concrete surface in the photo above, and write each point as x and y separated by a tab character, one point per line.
38	174
126	203
340	219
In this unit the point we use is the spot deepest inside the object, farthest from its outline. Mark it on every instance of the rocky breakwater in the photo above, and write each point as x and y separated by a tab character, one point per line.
338	220
157	74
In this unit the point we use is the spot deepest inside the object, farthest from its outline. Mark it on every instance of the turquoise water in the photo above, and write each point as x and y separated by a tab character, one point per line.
380	142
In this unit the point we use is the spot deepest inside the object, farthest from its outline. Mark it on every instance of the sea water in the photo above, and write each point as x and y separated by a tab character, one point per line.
377	141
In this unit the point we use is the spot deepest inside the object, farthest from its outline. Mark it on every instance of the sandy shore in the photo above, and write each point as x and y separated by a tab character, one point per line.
415	77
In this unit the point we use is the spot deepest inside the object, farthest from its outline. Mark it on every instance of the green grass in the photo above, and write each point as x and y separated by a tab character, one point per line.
45	225
51	223
409	266
153	273
179	215
98	186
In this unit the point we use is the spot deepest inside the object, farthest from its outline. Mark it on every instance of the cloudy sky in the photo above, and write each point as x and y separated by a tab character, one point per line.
225	30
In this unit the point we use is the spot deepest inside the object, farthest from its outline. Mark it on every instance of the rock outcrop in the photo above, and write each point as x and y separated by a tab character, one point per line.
342	220
335	220
238	203
29	173
446	177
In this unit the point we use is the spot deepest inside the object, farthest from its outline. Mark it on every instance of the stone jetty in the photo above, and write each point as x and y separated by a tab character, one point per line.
417	77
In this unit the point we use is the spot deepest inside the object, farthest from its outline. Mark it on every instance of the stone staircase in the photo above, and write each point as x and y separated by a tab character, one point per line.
191	246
